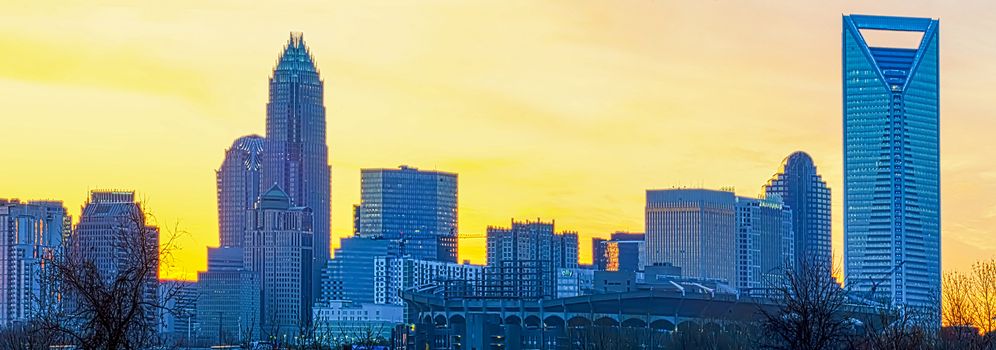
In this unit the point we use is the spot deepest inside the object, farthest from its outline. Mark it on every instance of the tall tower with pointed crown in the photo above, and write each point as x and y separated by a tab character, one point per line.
295	154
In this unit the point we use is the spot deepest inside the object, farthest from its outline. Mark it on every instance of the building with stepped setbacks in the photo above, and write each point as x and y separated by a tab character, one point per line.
30	233
278	250
892	177
239	181
801	187
295	154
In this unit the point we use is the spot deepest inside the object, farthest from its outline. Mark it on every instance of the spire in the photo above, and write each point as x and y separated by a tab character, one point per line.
296	56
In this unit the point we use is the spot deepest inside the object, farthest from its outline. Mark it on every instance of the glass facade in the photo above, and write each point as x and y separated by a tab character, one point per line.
295	154
802	188
30	233
419	208
238	188
891	162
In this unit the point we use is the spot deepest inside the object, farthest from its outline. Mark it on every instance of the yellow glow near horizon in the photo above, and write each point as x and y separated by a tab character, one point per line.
562	110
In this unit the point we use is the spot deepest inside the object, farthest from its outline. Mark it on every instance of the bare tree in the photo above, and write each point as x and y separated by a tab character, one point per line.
810	312
114	299
969	308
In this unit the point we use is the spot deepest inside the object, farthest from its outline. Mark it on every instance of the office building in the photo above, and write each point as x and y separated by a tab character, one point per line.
716	235
113	235
278	250
892	193
295	155
359	270
621	252
416	207
765	242
801	187
369	270
227	308
694	229
238	181
30	234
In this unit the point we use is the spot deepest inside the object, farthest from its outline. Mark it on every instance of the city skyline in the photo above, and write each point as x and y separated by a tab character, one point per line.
592	121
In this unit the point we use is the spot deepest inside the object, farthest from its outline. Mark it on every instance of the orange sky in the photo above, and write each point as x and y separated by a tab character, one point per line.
564	110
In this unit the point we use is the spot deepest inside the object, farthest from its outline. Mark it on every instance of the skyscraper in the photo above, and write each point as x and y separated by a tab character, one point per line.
892	212
717	235
694	229
295	155
278	250
113	235
29	233
765	242
238	188
804	191
228	298
417	207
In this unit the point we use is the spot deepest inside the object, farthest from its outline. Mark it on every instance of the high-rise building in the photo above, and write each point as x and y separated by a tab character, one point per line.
523	259
228	298
417	207
623	251
801	187
278	250
238	188
295	154
369	270
694	229
30	233
765	242
892	194
113	235
359	270
718	235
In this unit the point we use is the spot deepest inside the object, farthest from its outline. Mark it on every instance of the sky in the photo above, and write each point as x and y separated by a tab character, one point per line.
559	110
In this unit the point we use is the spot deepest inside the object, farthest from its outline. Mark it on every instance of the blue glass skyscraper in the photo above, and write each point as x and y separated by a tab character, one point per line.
417	207
295	155
892	162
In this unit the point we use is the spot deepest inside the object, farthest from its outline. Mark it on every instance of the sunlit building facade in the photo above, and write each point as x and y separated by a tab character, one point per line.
295	154
239	184
892	206
623	251
694	229
30	233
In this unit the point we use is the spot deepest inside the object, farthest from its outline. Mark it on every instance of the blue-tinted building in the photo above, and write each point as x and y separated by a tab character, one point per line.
239	184
892	209
295	155
228	298
416	207
31	233
802	189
